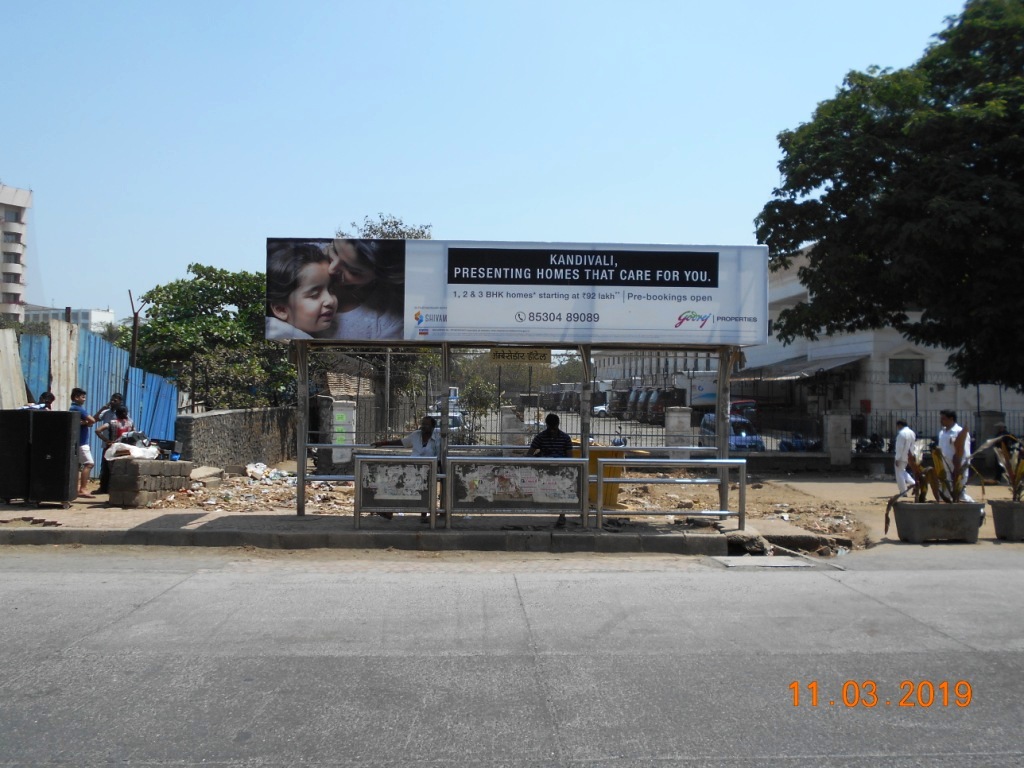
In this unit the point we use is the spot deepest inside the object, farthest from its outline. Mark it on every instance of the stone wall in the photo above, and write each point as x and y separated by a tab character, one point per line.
223	438
138	482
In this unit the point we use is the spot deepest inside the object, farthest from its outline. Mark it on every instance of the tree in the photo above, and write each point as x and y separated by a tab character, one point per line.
904	193
387	227
207	332
111	332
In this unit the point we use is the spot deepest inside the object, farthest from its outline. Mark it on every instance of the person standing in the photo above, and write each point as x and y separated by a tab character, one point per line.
950	434
85	460
552	443
45	403
905	438
105	417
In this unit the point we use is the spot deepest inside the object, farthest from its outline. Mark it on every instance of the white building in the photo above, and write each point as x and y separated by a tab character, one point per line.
875	376
95	320
14	205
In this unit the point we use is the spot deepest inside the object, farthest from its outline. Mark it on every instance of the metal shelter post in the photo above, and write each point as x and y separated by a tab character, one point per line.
302	425
446	373
585	396
723	422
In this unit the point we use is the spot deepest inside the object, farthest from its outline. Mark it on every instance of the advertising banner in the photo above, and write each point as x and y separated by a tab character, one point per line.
434	291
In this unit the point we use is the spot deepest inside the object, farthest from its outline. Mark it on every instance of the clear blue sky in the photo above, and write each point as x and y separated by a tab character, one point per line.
154	135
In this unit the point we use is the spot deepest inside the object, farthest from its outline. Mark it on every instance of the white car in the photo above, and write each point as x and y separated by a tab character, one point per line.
600	411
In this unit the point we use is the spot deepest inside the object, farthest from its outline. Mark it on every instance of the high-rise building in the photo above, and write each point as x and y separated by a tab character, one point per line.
14	205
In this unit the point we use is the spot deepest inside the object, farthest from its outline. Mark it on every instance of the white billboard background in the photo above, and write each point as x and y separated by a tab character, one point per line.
571	293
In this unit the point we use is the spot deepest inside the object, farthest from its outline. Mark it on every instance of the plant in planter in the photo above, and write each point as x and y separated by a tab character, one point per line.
952	514
1008	514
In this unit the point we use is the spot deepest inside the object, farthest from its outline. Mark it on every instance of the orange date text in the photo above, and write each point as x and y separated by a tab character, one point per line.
868	694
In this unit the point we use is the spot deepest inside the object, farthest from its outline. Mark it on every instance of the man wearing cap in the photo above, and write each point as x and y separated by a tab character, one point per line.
905	439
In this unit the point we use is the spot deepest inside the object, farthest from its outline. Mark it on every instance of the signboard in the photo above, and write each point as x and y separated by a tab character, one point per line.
488	484
395	484
557	294
524	355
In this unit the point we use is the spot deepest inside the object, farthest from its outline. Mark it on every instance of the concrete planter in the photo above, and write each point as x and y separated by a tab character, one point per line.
924	521
1008	517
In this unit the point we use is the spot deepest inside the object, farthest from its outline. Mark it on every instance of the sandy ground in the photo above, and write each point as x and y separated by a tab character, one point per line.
844	504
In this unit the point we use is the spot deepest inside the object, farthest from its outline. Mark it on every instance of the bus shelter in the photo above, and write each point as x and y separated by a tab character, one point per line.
469	294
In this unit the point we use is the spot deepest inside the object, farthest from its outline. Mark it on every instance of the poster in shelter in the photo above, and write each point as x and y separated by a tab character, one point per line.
387	485
505	485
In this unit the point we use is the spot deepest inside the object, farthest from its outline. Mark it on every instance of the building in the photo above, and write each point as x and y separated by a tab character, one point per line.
14	205
875	376
95	320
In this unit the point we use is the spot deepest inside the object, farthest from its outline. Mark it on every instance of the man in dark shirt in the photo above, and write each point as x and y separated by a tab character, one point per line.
552	443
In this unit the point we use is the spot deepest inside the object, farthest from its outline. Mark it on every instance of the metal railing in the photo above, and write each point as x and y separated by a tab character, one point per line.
721	464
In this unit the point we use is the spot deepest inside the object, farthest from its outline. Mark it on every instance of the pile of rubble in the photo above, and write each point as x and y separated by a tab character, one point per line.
257	489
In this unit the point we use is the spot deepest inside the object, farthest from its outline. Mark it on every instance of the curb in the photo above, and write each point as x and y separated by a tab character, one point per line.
426	541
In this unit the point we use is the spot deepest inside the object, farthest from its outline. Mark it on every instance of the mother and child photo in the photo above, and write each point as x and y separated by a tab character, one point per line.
335	289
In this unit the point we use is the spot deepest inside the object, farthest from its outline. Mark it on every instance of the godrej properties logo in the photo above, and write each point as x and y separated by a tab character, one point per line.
691	319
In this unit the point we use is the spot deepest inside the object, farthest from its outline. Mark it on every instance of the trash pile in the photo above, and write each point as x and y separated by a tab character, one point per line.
260	490
764	500
827	518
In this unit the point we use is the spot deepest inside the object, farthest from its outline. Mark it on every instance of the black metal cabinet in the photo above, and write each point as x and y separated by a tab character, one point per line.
39	455
14	445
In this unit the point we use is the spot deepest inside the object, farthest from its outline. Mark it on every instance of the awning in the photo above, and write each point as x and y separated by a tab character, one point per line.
795	369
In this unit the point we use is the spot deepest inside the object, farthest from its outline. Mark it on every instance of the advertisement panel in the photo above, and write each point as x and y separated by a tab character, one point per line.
433	291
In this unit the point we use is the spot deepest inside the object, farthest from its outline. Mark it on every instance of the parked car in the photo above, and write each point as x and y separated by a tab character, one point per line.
630	411
743	436
600	411
617	403
459	431
662	399
797	442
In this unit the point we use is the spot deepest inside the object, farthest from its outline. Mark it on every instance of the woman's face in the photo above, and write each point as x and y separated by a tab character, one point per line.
311	306
345	265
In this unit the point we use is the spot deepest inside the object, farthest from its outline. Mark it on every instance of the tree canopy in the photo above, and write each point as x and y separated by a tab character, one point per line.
904	192
207	333
387	227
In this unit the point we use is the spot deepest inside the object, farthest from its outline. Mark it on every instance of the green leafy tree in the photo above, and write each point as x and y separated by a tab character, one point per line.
207	332
903	197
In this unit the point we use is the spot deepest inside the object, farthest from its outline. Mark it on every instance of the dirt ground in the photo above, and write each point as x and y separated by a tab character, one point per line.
827	513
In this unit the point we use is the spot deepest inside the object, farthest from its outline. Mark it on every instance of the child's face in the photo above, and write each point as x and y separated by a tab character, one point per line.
345	264
311	306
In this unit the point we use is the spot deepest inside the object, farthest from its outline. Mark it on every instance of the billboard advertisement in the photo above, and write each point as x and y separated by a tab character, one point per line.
558	294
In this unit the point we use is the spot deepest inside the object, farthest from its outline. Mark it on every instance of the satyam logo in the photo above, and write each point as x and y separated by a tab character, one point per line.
692	317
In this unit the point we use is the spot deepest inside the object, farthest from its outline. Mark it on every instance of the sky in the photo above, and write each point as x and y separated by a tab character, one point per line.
157	135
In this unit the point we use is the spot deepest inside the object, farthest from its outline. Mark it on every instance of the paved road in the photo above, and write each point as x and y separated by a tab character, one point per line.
188	657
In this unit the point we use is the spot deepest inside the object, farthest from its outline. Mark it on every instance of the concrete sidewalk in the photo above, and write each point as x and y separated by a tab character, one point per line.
91	521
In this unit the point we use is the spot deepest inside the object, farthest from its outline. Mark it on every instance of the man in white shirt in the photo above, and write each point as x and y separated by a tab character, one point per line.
905	438
948	436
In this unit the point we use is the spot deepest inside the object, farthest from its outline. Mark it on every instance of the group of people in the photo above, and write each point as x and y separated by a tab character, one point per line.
552	442
111	423
950	435
345	289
